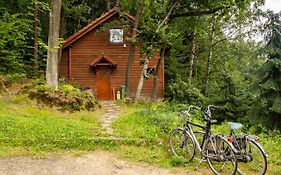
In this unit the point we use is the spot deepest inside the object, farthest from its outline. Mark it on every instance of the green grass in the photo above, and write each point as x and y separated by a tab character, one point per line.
153	125
27	128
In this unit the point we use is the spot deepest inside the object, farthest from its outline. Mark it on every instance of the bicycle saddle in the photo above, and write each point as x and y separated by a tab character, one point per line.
234	125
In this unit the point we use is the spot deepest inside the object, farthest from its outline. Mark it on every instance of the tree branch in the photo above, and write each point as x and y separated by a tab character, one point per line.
198	13
167	16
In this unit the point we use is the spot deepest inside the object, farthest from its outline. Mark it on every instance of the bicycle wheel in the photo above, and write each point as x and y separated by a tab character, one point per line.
220	156
182	144
253	159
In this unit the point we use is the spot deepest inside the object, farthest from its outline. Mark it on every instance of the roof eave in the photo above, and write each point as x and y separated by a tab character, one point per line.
93	25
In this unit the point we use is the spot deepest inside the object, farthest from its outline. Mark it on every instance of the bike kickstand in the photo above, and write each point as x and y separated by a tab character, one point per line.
201	160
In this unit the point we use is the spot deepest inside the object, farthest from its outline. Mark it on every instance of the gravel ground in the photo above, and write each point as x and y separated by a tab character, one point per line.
95	163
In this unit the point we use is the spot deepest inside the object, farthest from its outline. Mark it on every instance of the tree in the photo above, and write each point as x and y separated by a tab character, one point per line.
210	56
270	84
53	44
154	38
35	50
132	48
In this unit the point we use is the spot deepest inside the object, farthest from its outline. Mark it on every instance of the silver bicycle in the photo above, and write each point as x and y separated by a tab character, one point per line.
250	154
215	149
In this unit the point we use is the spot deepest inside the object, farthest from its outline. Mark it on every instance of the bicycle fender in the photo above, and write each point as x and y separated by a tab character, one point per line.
248	137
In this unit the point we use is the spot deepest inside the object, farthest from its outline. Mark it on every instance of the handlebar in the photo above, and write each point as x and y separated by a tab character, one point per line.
186	113
208	111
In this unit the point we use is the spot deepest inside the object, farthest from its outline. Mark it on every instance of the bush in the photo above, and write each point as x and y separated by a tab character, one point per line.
185	92
67	98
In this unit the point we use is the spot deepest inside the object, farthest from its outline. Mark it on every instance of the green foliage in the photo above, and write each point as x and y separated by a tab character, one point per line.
185	92
177	161
68	98
15	51
78	14
268	103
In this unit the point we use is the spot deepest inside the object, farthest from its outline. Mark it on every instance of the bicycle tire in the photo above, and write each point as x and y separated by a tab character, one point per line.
220	156
181	144
257	159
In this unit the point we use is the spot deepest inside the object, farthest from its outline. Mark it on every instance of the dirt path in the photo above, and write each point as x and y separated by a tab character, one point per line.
96	163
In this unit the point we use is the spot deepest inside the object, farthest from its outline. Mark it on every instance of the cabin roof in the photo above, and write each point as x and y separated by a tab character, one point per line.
103	61
95	23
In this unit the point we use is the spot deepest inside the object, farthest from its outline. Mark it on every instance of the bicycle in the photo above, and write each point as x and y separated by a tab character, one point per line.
251	156
215	149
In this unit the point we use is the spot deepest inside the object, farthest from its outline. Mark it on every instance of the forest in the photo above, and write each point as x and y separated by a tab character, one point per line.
221	52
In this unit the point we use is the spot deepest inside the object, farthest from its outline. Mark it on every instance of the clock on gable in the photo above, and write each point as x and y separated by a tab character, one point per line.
116	36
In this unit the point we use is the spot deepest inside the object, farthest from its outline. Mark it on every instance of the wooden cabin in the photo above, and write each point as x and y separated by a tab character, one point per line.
95	58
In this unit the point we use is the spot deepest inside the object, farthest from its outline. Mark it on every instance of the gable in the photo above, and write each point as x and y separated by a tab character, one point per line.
103	61
96	23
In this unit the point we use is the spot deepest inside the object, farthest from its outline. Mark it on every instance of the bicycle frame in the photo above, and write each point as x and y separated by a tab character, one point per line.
189	129
245	137
206	131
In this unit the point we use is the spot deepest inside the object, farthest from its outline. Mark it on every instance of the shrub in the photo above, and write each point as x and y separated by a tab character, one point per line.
185	92
67	98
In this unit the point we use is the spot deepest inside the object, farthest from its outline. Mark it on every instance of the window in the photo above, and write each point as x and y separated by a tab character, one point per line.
116	36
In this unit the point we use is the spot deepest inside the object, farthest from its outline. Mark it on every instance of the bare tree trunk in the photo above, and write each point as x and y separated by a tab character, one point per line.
35	50
140	84
157	73
108	4
192	56
117	2
132	49
53	41
209	61
62	28
162	55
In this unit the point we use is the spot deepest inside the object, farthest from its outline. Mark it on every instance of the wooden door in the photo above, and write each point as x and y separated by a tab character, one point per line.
103	83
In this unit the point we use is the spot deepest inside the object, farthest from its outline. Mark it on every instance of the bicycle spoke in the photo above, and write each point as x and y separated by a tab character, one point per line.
223	160
181	144
254	159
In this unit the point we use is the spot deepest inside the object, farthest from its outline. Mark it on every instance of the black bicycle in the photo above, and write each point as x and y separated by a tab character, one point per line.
251	156
215	149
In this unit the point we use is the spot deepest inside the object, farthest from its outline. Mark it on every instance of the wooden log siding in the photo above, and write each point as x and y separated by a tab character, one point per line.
75	62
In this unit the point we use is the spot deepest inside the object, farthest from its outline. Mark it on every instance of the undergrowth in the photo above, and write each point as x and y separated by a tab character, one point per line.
68	97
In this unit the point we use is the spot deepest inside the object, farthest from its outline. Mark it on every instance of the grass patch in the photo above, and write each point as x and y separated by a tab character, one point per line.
153	125
26	127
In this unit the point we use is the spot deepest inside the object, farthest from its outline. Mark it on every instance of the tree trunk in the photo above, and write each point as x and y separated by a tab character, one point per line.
209	61
140	84
35	49
132	49
53	42
157	73
117	2
62	30
108	4
192	56
162	55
